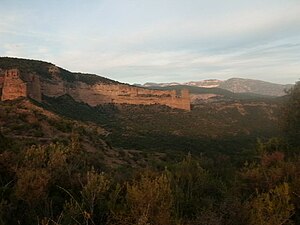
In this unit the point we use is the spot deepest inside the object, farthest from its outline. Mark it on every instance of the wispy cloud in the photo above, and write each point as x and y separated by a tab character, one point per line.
158	40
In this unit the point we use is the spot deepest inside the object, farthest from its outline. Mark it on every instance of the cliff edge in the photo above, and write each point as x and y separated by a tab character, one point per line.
35	79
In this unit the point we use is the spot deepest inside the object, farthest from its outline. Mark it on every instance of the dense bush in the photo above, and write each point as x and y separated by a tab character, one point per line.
57	184
291	116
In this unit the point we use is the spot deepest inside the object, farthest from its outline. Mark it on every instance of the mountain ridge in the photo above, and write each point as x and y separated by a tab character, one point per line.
235	85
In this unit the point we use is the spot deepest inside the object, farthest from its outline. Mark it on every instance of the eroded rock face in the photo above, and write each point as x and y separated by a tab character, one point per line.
13	86
17	85
2	73
133	95
118	93
33	85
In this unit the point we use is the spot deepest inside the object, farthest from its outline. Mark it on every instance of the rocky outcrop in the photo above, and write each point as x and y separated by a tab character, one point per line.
15	84
119	94
2	73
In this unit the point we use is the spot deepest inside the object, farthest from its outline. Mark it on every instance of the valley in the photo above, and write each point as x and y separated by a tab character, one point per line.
66	157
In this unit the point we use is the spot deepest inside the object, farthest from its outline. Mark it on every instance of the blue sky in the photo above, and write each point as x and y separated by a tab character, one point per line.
158	40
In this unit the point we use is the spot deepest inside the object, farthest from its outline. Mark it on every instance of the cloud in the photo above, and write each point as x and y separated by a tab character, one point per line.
169	41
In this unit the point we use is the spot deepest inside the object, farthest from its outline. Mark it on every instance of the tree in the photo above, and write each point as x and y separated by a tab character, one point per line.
291	116
272	208
148	201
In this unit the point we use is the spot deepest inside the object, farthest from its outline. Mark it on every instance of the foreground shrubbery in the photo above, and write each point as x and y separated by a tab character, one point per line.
62	184
57	184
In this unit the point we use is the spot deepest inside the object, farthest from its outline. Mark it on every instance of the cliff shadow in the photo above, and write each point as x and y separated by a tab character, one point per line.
65	105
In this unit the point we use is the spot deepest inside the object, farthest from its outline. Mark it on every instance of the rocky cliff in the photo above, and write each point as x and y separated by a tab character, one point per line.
44	79
12	85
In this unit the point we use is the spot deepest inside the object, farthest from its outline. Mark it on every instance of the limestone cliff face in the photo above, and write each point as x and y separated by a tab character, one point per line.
2	73
15	84
98	94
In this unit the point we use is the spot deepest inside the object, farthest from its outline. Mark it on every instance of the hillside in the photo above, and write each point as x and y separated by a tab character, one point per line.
215	127
238	85
139	118
114	160
24	123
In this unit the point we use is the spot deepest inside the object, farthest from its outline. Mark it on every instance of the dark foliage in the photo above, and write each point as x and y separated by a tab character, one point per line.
291	116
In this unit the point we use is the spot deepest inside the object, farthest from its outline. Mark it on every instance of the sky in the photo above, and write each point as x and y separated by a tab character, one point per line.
158	40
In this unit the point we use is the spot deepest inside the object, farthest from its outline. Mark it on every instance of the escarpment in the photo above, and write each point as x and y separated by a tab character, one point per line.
51	81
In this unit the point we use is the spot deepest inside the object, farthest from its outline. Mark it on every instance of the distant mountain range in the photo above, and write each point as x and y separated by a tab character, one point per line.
235	85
